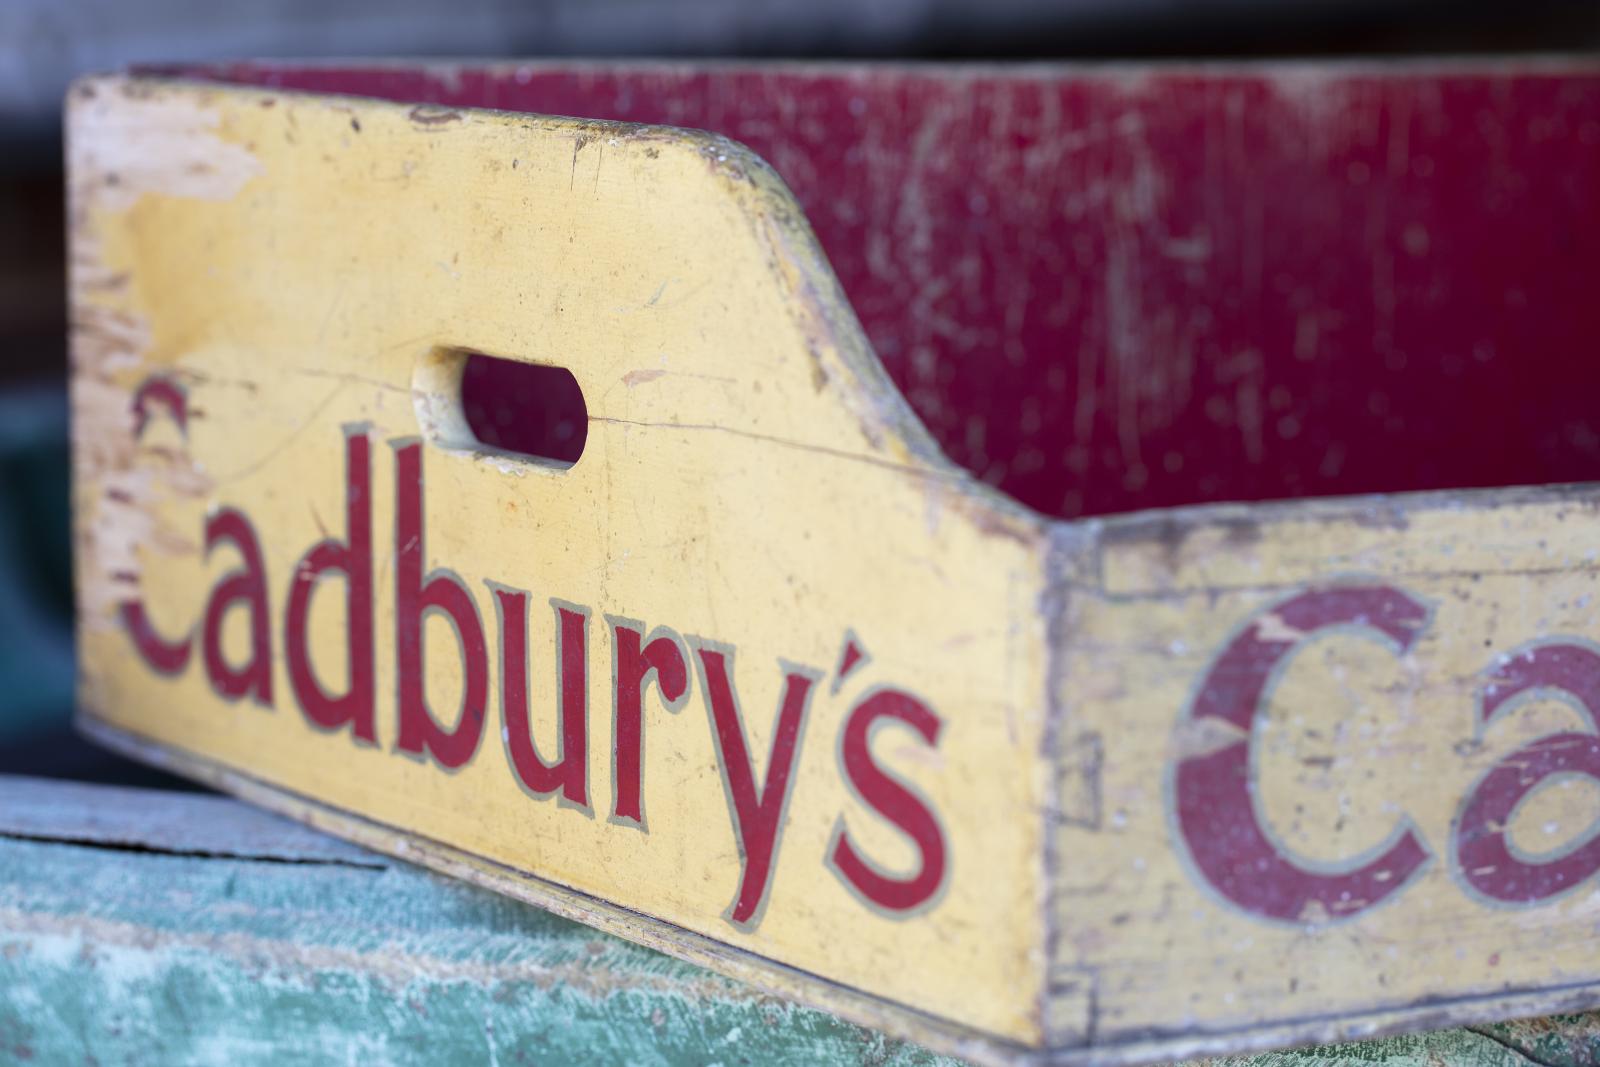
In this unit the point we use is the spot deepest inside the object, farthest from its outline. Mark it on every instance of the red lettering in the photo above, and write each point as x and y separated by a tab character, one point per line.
160	389
246	587
1484	855
354	560
756	814
163	656
635	663
569	774
892	799
1216	813
415	596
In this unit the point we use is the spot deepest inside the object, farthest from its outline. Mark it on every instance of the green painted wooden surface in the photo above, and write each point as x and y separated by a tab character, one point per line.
155	928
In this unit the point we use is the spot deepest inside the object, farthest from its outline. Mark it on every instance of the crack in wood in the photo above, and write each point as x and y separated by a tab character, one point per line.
101	844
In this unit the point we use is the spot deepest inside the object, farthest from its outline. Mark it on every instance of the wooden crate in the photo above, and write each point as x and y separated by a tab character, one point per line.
997	770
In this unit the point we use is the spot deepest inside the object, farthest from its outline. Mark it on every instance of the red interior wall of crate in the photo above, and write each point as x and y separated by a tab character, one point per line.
1112	288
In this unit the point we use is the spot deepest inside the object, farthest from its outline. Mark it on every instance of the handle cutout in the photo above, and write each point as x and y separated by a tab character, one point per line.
472	401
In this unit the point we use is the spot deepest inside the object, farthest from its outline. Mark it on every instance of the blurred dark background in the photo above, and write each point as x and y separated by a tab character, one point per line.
45	43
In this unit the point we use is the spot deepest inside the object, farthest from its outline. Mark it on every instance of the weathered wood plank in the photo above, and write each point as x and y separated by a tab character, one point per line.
199	825
285	946
138	926
164	927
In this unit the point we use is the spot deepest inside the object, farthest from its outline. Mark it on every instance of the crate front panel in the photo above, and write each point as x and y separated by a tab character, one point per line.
275	511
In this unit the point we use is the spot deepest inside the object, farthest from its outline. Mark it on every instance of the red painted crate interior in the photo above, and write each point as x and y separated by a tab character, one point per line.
1107	289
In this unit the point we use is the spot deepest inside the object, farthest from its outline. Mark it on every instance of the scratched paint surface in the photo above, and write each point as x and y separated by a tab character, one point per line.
1113	288
1288	824
268	308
